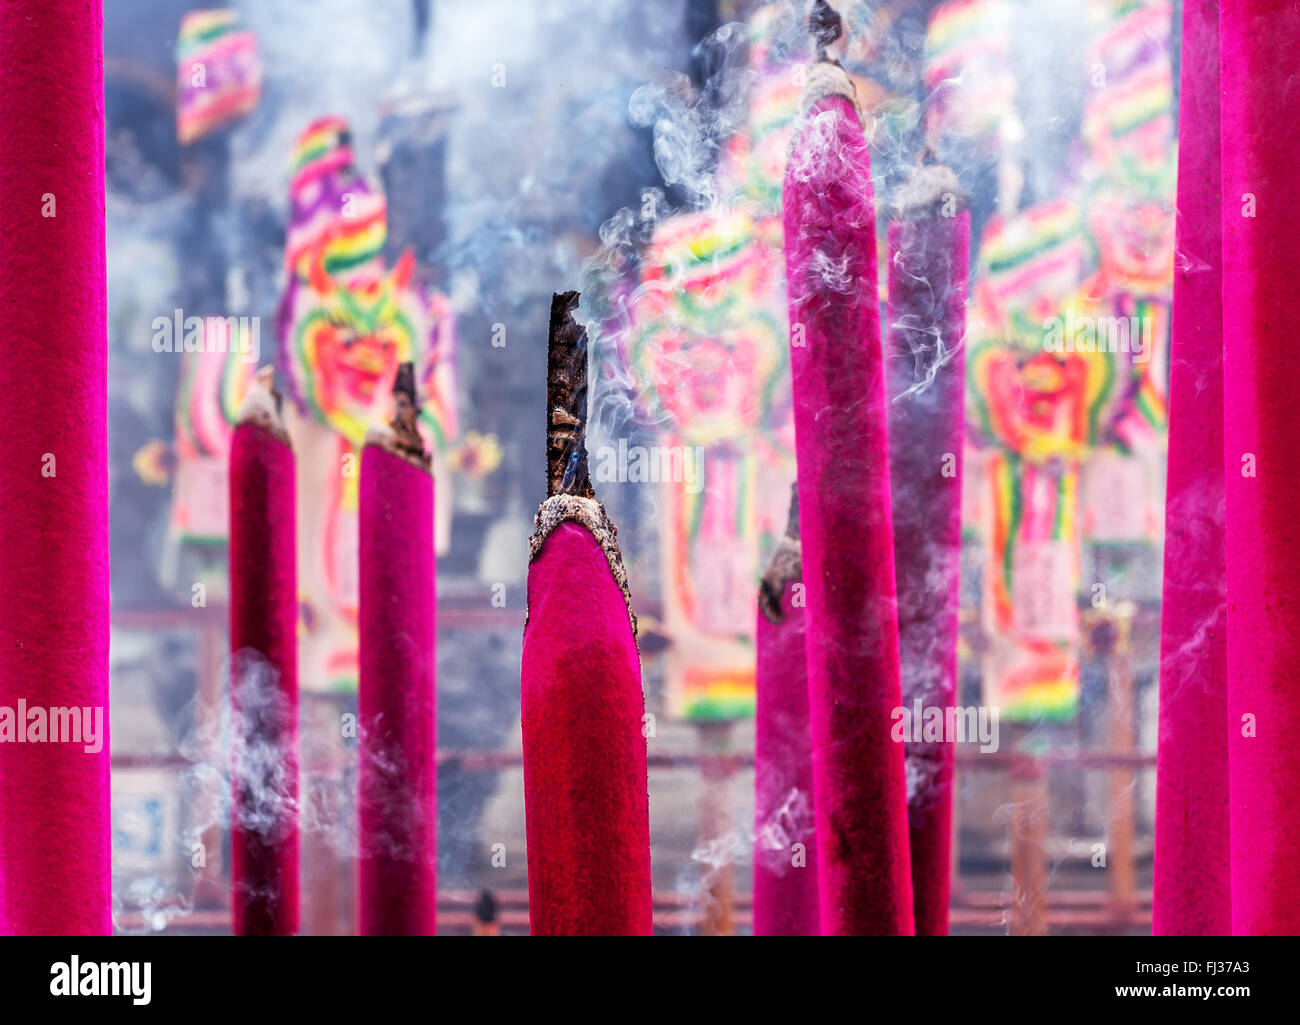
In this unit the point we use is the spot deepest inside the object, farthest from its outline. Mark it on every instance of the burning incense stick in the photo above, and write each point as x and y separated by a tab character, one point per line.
397	784
1191	885
1261	395
585	795
55	866
263	668
864	875
785	866
929	245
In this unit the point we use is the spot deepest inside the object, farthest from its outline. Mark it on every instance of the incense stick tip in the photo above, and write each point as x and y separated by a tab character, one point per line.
929	190
401	436
263	404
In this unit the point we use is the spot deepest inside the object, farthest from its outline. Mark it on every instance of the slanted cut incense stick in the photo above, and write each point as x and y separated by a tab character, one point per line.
860	797
585	782
1190	869
55	831
929	247
263	669
397	782
785	864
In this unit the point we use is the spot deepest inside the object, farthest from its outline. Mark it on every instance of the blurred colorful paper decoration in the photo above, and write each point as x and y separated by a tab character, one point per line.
346	321
968	77
1130	179
1037	404
707	352
214	378
218	73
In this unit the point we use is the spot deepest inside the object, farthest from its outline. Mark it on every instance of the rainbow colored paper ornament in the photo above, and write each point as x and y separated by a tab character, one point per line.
1040	397
1128	121
213	381
218	73
334	214
346	322
1131	175
706	351
972	91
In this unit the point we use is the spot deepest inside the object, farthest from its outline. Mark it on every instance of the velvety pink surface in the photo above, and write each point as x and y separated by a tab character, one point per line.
263	685
1191	833
1261	382
864	874
586	801
397	781
928	268
785	893
55	864
1261	397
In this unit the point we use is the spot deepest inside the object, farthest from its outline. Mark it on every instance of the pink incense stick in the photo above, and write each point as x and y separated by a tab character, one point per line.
1261	383
860	795
585	780
785	866
397	782
929	245
1191	881
55	864
263	669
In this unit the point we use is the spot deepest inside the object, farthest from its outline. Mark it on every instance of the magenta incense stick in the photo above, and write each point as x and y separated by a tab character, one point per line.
1260	150
397	784
860	797
1190	872
929	260
785	865
55	857
585	776
263	669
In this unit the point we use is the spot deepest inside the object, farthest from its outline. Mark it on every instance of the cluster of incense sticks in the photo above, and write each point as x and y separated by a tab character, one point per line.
785	865
55	864
1190	870
929	246
263	669
397	781
586	800
1227	837
859	791
397	777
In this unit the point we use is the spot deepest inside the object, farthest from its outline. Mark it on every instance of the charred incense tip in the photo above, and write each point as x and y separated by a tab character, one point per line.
401	435
263	404
587	512
826	26
566	402
785	566
929	190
